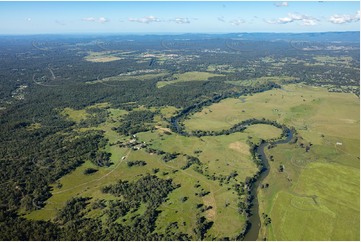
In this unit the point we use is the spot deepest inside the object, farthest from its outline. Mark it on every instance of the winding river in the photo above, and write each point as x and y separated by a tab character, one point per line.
254	219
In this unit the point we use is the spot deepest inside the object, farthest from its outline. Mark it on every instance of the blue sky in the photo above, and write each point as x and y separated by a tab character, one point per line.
178	17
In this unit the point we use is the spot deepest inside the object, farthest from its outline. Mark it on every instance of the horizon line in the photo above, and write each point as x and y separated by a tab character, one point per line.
172	33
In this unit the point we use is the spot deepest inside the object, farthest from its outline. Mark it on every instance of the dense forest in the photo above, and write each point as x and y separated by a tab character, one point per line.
41	75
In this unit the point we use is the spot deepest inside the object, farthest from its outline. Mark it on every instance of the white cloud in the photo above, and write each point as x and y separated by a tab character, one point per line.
28	19
145	20
98	20
102	20
285	20
294	17
281	4
237	21
181	20
309	22
342	19
152	19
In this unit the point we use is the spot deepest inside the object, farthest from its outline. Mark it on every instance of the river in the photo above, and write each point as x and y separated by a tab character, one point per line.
254	219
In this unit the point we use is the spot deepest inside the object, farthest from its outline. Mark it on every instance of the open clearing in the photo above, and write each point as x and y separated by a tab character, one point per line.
317	196
103	56
300	106
186	77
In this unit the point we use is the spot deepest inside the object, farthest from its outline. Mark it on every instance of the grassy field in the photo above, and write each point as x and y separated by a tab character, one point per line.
220	155
315	187
82	114
75	115
285	105
262	131
103	56
187	76
341	60
317	196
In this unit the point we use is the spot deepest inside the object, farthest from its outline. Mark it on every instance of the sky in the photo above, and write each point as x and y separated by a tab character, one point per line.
178	17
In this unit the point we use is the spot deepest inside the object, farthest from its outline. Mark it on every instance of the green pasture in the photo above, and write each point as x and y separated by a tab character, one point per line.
317	195
187	76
